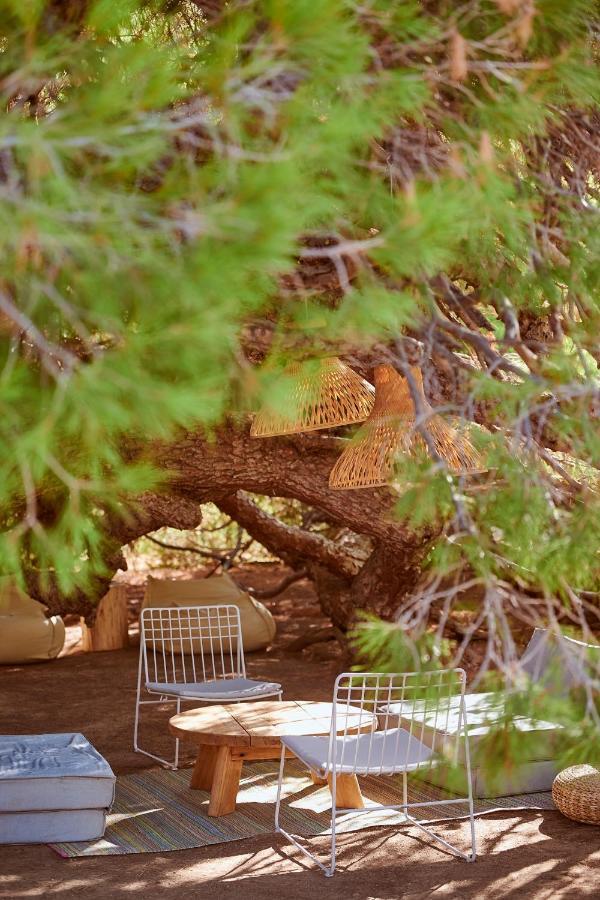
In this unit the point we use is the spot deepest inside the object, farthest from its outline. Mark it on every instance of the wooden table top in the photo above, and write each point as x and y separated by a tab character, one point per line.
262	723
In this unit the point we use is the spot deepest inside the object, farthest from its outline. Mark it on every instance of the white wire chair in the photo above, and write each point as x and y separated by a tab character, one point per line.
193	653
421	722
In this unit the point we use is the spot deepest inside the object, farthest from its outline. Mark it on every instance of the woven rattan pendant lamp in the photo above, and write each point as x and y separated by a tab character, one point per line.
389	430
323	394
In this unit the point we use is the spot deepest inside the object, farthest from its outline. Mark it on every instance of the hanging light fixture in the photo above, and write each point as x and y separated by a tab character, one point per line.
389	430
324	393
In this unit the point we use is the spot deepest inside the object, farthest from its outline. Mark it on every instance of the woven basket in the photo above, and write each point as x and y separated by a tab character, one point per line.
323	394
576	793
389	430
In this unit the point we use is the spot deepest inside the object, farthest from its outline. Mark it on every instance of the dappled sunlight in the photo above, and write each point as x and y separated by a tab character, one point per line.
509	866
123	817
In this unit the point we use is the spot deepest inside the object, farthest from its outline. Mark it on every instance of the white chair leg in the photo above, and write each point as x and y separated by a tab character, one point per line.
473	855
473	840
329	872
160	759
469	857
291	838
279	785
165	762
136	723
176	766
137	704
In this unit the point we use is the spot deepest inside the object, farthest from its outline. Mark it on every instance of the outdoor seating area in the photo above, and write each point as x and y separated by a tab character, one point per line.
423	729
264	766
197	652
299	449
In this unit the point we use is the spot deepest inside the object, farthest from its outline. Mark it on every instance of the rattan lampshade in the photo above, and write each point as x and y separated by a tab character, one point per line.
389	430
323	394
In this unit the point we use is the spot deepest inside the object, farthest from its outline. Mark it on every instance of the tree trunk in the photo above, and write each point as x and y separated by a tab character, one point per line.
110	631
379	588
343	587
387	578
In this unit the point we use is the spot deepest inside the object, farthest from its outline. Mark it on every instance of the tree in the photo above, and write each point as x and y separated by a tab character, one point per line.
194	194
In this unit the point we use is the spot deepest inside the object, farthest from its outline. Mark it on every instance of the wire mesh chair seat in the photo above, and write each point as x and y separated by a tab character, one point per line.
193	653
421	723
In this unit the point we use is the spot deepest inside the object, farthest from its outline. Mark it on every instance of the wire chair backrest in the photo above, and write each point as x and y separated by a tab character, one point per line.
192	644
420	717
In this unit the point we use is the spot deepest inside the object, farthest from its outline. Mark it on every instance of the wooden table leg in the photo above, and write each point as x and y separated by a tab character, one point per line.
204	769
316	779
226	782
347	792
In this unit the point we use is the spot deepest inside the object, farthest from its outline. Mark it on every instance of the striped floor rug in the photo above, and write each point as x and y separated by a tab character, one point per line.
155	811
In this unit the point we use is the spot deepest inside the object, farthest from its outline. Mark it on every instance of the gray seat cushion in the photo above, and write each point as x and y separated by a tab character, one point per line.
484	713
520	778
222	689
53	772
523	778
37	827
383	752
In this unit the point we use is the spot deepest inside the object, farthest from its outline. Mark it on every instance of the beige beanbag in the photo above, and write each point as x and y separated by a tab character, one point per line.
26	634
258	625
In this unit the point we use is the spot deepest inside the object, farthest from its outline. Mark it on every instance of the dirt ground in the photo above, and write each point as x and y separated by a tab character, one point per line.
522	854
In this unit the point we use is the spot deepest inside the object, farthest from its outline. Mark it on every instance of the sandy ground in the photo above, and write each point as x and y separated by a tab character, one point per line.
522	855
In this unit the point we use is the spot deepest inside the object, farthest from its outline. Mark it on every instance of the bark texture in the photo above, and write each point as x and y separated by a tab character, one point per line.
222	470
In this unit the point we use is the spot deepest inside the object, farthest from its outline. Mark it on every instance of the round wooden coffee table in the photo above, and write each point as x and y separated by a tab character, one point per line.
230	734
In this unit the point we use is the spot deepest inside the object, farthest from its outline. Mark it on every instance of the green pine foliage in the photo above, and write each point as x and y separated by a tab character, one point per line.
147	265
158	177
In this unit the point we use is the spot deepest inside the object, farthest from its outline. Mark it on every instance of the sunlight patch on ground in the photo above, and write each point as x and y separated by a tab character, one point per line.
122	817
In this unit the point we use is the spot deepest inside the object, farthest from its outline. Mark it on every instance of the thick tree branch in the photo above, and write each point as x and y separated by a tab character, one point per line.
292	544
296	467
